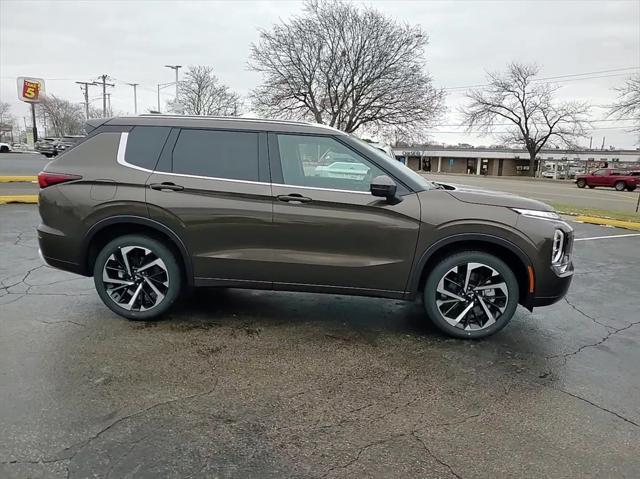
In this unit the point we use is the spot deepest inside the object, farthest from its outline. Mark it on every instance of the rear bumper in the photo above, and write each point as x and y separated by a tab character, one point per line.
54	249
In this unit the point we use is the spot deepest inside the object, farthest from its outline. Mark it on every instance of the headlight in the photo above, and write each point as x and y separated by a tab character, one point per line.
545	215
558	247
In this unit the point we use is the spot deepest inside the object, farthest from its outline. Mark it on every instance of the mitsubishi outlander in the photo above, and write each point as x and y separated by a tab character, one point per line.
153	205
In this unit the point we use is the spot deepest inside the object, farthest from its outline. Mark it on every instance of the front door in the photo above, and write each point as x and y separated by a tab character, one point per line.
599	178
212	187
329	231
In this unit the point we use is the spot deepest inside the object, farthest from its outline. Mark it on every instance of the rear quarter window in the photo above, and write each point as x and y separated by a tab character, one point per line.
144	145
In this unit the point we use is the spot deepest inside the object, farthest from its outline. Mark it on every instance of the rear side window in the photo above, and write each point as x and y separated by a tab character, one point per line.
144	145
217	154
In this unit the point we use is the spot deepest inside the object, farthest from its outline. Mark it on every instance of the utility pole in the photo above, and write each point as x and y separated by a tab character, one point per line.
84	86
176	68
33	119
135	97
109	104
104	84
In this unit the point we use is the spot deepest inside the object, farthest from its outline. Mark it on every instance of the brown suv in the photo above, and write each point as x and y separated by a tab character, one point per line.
152	205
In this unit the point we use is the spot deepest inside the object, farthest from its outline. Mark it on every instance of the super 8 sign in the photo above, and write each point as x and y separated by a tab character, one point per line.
30	89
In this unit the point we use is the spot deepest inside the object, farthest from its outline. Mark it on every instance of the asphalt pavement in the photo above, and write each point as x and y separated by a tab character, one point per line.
22	163
549	191
258	384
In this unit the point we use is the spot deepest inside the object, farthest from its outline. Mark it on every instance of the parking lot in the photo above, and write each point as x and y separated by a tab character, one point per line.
559	192
261	384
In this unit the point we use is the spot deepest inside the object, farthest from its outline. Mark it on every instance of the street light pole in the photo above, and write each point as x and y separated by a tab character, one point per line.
135	97
162	85
176	68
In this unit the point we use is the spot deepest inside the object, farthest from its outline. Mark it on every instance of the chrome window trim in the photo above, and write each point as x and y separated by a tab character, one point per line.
322	189
122	147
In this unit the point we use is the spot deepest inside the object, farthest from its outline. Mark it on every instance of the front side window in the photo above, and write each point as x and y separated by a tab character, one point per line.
323	162
217	154
144	144
599	172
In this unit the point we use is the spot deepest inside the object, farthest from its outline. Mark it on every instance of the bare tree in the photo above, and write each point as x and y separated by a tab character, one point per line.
64	117
347	67
6	118
628	103
201	93
525	107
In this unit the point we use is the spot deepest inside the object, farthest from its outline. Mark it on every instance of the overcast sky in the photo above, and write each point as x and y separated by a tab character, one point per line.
65	41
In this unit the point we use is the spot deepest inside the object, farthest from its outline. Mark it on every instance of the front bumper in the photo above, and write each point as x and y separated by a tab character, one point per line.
560	288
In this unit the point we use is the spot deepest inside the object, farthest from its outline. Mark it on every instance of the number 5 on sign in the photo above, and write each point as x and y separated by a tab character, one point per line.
30	89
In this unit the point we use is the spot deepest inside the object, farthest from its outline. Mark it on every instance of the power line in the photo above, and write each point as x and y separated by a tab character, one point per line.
462	132
570	77
510	124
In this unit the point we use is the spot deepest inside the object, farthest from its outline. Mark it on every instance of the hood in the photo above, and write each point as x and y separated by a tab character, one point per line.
494	198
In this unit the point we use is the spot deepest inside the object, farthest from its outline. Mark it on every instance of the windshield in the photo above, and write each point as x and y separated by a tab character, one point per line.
393	165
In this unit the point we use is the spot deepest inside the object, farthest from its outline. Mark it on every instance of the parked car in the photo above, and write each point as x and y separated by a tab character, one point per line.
559	175
47	147
5	148
618	179
341	169
150	206
67	142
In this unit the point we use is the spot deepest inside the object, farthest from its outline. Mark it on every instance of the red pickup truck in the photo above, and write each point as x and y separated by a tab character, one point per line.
618	179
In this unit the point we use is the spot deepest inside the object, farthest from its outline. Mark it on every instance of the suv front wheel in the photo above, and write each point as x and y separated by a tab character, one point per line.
471	294
137	277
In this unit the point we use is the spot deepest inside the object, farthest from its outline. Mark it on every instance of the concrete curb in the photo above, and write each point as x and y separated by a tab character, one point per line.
18	179
630	225
28	199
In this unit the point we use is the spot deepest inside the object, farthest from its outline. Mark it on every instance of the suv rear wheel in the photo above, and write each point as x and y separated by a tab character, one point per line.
471	294
137	277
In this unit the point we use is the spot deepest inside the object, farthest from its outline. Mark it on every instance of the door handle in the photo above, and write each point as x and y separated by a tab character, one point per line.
166	186
294	198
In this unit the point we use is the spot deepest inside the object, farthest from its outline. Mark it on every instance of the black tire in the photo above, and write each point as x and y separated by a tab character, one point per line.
620	185
591	187
171	271
444	268
4	149
581	183
631	188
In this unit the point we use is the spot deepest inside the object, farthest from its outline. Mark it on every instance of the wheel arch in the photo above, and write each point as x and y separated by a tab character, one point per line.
507	251
109	228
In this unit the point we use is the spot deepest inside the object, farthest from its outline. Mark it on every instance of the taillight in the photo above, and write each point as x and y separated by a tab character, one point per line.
48	179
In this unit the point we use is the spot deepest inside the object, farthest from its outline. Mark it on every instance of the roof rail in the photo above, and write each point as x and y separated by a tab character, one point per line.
237	118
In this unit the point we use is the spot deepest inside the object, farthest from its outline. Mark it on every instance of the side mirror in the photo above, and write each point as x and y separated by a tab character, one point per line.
383	186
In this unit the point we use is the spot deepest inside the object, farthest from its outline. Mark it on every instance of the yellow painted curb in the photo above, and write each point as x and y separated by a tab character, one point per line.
17	179
630	225
30	199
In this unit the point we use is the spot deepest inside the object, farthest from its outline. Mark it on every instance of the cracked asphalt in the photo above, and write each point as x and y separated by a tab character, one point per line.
254	384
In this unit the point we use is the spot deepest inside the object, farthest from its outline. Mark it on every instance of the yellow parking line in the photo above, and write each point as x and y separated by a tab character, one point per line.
30	199
630	225
17	179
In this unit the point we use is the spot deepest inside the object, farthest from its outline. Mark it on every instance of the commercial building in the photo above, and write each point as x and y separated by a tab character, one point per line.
508	162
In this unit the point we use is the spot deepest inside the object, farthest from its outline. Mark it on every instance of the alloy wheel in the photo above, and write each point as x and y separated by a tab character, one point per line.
135	278
472	296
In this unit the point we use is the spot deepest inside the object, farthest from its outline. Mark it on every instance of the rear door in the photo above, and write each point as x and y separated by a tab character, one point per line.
330	232
213	187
